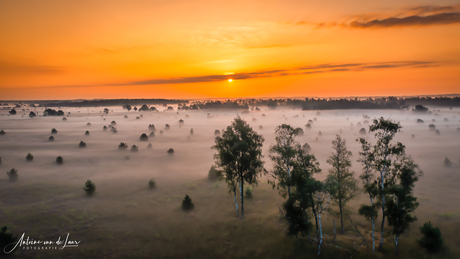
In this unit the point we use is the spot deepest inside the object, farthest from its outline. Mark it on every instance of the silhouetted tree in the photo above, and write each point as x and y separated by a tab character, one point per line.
152	183
167	127
447	162
59	160
13	112
170	151
88	124
87	133
122	146
82	144
104	128
106	111
362	131
113	123
32	114
342	183
127	107
239	153
12	174
134	148
214	174
144	108
2	132
54	131
90	187
6	239
144	137
51	138
149	146
152	127
431	240
191	131
187	203
217	132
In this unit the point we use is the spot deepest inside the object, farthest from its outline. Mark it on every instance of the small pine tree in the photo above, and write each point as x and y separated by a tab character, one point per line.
152	183
431	240
29	157
187	203
13	174
90	187
82	144
144	137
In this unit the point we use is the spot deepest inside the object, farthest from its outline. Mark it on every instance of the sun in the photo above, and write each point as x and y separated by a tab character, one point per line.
230	80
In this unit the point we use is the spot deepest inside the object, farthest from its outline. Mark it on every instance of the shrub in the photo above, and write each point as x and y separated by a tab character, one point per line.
431	240
88	124
137	118
90	187
54	131
420	121
214	174
187	203
152	134
134	148
12	174
181	121
113	123
12	112
29	157
217	132
104	128
51	138
152	183
248	193
149	146
87	133
161	132
167	127
261	127
144	137
362	131
32	114
438	132
191	131
447	162
170	151
6	238
432	127
59	160
152	127
308	126
64	119
300	131
2	132
82	144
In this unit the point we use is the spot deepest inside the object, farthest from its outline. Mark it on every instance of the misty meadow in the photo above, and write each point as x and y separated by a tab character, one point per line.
265	179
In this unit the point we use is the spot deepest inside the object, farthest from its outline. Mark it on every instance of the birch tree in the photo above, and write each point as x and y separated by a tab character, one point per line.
239	157
370	186
385	152
322	199
342	183
283	154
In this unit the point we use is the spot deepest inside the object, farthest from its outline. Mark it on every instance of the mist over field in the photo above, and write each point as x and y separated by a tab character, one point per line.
126	219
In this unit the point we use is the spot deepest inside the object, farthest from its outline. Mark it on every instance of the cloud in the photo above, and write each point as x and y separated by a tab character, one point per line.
7	67
415	20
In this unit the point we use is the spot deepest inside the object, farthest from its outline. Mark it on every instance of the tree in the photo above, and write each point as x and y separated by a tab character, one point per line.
13	174
239	153
127	107
321	200
144	108
152	183
59	160
32	114
214	174
384	154
106	111
13	112
187	203
29	157
401	201
431	240
90	187
144	137
342	183
370	185
282	154
170	151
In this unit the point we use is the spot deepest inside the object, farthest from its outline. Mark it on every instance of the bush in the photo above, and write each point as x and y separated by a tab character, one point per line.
51	138
90	187
431	240
104	128
432	127
214	174
134	148
113	123
29	157
152	127
149	146
420	121
12	174
2	132
167	127
12	112
64	119
438	132
299	131
362	131
32	114
248	193
191	131
6	239
54	131
152	183
181	121
144	137
59	160
82	144
161	132
187	203
447	162
170	151
152	134
87	133
217	132
88	124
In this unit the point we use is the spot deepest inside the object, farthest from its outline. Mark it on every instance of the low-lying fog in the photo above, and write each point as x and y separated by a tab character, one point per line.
125	218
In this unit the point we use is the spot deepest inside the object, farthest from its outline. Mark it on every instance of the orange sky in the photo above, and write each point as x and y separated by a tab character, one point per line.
77	49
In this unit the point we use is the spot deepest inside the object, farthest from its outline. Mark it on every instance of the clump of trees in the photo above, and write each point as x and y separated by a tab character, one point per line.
420	121
152	127
113	123
170	151
187	203
152	183
32	114
152	134
123	146
13	174
432	240
29	157
104	128
64	119
59	160
13	112
127	107
144	137
51	112
217	132
214	174
82	144
90	187
432	127
239	157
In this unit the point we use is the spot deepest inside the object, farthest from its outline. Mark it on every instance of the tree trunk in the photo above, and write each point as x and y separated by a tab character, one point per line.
342	230
373	226
320	235
316	217
236	203
333	219
242	197
396	244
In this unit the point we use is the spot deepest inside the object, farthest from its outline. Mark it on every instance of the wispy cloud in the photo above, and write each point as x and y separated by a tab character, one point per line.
415	20
7	67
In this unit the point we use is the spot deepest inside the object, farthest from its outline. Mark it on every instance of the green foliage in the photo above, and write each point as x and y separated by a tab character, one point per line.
368	211
29	157
248	192
12	174
431	240
296	217
6	238
59	160
90	187
152	183
187	203
214	174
